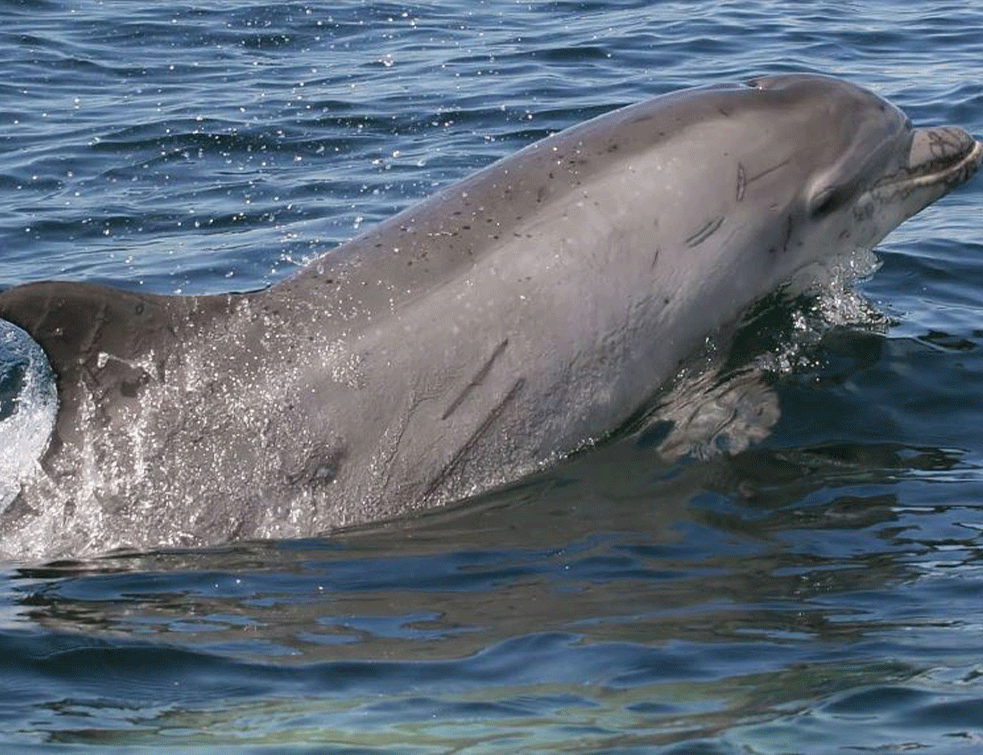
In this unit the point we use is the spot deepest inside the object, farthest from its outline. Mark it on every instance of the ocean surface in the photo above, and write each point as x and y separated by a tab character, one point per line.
819	592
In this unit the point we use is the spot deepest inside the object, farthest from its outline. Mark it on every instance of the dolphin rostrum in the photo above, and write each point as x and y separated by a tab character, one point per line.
506	321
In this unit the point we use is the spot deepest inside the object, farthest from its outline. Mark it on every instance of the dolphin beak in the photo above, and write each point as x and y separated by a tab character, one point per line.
945	155
939	160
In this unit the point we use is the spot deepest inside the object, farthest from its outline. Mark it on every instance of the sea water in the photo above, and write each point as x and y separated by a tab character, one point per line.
818	591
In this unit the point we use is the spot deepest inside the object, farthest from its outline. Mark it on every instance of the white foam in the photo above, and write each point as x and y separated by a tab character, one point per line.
28	407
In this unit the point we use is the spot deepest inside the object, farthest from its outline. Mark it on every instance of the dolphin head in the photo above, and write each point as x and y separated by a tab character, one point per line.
857	166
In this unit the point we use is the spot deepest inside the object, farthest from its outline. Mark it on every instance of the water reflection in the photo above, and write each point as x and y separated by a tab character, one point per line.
645	603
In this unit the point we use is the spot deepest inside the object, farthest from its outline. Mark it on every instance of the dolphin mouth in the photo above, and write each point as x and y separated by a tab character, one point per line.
946	156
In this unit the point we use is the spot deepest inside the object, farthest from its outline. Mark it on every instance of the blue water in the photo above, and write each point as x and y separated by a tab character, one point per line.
821	592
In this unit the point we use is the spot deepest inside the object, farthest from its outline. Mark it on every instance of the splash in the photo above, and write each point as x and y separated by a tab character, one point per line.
28	406
820	298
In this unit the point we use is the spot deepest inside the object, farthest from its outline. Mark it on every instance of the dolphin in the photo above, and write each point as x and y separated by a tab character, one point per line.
505	322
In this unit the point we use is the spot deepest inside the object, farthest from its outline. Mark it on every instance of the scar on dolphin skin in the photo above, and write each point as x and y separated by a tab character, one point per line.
496	411
789	225
477	380
943	141
708	229
743	180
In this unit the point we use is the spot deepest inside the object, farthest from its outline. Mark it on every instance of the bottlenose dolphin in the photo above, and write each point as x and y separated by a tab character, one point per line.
508	320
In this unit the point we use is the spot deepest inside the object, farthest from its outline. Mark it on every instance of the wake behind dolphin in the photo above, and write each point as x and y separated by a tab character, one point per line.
505	322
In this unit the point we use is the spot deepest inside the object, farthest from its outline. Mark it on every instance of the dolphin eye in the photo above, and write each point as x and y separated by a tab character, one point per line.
826	201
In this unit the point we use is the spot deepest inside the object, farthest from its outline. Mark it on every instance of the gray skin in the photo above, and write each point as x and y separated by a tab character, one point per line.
510	319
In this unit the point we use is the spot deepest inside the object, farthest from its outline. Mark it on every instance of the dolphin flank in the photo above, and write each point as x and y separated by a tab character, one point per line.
506	321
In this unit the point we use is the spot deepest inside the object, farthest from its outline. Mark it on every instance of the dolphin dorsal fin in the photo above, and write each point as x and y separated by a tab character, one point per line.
105	339
73	322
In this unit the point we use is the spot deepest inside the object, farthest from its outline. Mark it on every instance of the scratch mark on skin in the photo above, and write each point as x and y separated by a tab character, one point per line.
477	380
711	227
943	142
442	476
655	259
788	234
766	171
743	179
394	450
